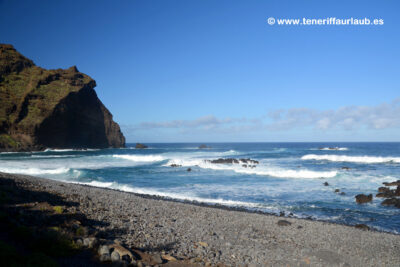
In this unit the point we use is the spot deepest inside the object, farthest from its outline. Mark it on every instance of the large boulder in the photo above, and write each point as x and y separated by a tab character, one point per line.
58	108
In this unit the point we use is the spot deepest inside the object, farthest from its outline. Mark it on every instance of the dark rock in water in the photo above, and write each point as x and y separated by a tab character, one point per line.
342	193
232	160
189	169
326	184
203	146
337	190
224	161
249	161
58	108
396	183
387	192
361	198
140	146
346	168
391	202
362	227
175	165
282	214
383	189
284	223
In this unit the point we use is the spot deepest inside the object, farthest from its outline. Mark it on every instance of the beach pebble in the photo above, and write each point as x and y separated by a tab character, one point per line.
157	259
362	227
284	223
105	257
90	242
115	256
104	250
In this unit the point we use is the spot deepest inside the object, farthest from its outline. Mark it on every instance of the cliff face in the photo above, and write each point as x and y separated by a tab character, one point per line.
50	108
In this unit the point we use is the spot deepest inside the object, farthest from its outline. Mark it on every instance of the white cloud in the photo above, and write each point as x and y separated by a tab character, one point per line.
383	116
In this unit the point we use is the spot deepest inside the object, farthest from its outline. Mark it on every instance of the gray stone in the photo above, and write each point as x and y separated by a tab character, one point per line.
90	242
104	250
157	259
105	257
115	256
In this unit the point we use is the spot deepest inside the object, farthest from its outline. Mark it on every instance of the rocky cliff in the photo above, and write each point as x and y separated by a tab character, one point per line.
42	108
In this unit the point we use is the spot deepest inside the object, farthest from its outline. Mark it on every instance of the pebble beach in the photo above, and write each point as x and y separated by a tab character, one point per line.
192	234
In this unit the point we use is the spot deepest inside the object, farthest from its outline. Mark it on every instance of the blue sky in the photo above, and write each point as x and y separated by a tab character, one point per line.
212	70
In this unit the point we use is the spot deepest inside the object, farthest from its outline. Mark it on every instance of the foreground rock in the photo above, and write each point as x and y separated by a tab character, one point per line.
361	198
42	108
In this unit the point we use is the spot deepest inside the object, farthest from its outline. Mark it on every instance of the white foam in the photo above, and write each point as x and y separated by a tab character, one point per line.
34	171
358	159
177	196
334	148
259	170
69	150
140	158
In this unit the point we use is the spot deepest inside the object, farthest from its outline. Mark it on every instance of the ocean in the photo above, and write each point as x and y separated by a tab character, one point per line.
289	177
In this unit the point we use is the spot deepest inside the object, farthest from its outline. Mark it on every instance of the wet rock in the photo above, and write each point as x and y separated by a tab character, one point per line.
391	202
346	168
362	227
232	161
326	184
383	189
189	169
361	198
224	161
284	223
337	190
175	165
203	146
395	183
249	161
342	193
140	146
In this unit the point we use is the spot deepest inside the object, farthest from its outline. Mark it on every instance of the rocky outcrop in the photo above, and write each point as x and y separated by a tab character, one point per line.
361	198
232	161
140	146
42	108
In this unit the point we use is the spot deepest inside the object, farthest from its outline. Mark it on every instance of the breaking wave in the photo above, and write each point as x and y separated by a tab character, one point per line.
357	159
258	170
140	158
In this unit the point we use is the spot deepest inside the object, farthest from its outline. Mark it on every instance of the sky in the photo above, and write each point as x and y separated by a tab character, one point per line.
216	71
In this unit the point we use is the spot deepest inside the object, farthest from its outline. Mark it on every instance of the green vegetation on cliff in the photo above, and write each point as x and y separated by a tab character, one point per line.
50	108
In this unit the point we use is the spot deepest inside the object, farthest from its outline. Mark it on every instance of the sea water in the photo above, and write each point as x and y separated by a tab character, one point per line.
288	178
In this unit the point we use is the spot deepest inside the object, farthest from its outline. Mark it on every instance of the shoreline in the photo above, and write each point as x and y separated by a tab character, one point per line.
220	206
210	233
